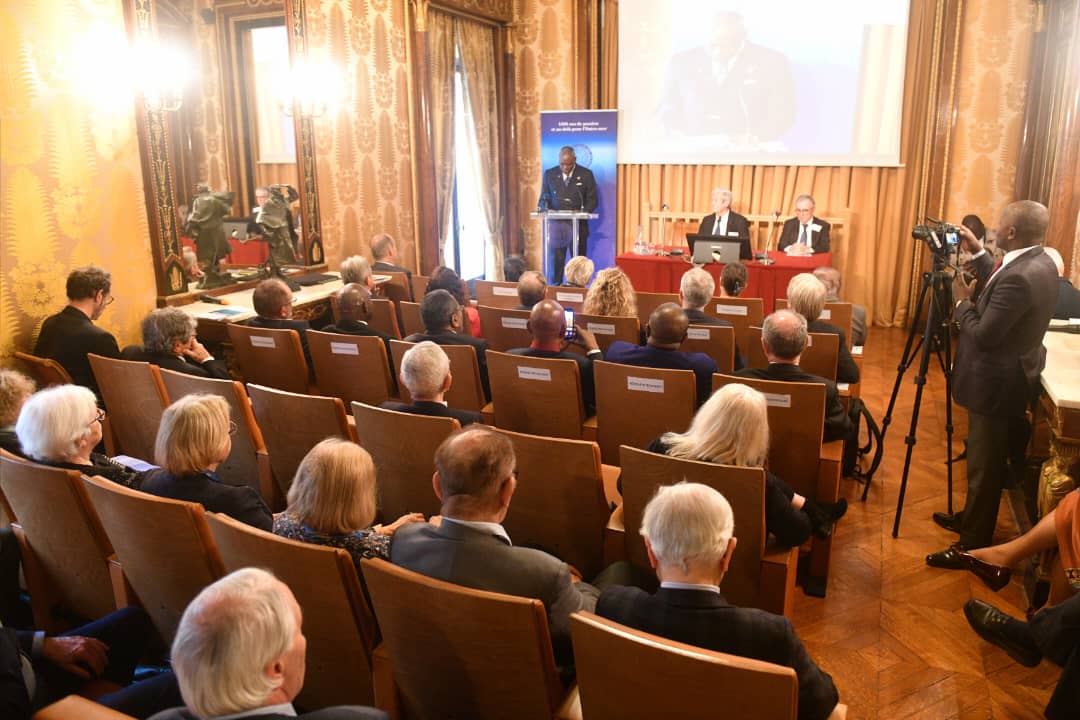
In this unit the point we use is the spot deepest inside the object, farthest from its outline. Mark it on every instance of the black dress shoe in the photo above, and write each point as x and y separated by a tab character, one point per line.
951	559
1009	634
949	522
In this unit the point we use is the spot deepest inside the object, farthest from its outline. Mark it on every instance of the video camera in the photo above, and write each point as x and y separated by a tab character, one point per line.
941	238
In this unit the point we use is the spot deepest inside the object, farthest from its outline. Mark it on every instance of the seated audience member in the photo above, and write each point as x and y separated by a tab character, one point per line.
806	295
733	279
69	335
783	338
611	294
239	651
444	278
355	269
695	291
190	260
475	480
425	371
384	250
273	303
513	266
332	502
169	342
60	426
354	311
192	440
805	233
578	272
1068	304
666	330
547	323
530	289
831	279
443	320
15	390
689	534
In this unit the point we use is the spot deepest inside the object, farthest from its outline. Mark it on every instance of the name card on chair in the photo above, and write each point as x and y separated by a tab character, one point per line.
514	323
339	348
504	291
645	384
856	349
826	314
843	387
533	373
777	400
809	340
731	309
698	333
600	328
569	297
263	342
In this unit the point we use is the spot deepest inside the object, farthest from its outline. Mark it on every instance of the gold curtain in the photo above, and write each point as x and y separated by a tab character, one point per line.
441	48
875	252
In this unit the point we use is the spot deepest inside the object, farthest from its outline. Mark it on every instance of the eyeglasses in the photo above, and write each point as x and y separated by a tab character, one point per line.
100	417
233	427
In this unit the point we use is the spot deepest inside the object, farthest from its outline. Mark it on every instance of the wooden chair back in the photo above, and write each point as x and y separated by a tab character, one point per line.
741	312
459	652
338	623
419	286
466	392
622	391
292	424
838	314
608	329
65	553
649	301
496	293
270	357
135	397
505	329
411	320
384	317
716	342
568	297
627	673
164	547
819	358
46	372
351	367
539	396
76	706
403	447
397	288
559	503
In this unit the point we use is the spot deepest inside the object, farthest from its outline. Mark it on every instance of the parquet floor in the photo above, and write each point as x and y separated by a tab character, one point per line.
891	631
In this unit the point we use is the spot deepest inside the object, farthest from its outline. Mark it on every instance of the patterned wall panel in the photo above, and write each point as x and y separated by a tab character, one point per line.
207	120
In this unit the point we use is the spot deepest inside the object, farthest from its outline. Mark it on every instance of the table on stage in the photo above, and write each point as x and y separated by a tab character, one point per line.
656	273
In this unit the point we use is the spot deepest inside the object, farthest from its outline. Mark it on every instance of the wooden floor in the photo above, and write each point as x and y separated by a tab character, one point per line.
891	630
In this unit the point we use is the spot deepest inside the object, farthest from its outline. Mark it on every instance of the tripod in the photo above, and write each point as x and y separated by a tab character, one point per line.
937	284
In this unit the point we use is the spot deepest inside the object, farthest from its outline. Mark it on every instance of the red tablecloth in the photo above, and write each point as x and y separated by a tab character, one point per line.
651	273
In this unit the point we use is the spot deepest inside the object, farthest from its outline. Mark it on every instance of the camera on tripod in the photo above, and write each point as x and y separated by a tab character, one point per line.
941	238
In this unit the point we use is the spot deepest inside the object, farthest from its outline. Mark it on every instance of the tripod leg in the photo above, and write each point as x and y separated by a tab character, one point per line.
947	343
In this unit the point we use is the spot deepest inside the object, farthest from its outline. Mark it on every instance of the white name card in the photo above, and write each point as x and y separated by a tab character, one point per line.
698	333
1074	321
569	297
777	400
731	309
809	340
856	349
533	373
263	342
842	387
645	384
338	348
826	314
515	323
505	291
600	328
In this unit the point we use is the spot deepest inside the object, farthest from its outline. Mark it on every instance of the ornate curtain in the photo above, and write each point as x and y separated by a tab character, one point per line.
441	48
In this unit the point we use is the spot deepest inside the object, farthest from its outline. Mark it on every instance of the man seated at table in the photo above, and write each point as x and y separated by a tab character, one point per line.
666	330
169	342
724	222
530	289
547	323
805	233
443	325
695	292
354	312
830	277
273	304
425	371
806	295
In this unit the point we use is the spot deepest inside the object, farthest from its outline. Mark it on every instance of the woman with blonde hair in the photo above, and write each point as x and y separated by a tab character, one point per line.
192	440
732	428
611	294
578	272
332	502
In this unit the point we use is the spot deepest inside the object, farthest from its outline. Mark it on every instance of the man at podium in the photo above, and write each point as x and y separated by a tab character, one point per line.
567	186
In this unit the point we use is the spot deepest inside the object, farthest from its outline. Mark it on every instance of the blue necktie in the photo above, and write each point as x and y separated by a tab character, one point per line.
802	235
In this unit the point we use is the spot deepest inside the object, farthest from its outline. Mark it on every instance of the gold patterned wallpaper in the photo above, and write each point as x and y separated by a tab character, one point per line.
70	176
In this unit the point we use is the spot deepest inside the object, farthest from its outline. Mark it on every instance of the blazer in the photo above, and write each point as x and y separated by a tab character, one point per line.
237	501
345	326
705	619
300	326
999	352
466	556
585	371
340	712
846	369
1068	304
449	337
212	368
578	194
703	366
698	317
738	227
819	240
390	267
435	409
837	423
67	337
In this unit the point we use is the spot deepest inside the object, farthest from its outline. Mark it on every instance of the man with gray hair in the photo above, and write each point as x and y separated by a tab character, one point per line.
806	230
425	371
240	652
695	291
530	289
169	342
356	269
726	223
689	536
830	277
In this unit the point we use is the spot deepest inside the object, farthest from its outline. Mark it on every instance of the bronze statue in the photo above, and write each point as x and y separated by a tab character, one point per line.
205	225
273	217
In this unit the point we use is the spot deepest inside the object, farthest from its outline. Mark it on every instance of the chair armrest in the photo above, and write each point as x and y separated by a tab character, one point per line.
382	675
832	450
271	493
570	708
615	538
776	590
590	429
43	593
488	412
74	706
610	475
123	594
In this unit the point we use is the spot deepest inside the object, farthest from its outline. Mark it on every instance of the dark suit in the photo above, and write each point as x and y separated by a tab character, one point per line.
585	371
819	240
300	326
448	337
212	368
345	326
576	193
738	227
698	317
705	619
1056	631
67	337
467	556
837	423
654	357
390	267
435	409
340	712
1068	304
239	502
999	356
846	369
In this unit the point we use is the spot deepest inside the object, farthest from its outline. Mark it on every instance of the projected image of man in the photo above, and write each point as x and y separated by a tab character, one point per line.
730	86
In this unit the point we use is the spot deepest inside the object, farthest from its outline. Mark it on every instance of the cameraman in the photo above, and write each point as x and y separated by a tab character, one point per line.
1002	314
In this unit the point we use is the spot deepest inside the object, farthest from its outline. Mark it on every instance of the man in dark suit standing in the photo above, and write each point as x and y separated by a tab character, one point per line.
354	311
273	302
68	336
725	223
696	289
384	250
689	535
567	186
443	323
999	357
806	231
425	371
169	342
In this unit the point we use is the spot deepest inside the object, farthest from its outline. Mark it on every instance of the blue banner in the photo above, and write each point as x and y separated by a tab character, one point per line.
592	135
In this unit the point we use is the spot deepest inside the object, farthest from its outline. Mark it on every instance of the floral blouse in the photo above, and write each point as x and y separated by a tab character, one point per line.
360	544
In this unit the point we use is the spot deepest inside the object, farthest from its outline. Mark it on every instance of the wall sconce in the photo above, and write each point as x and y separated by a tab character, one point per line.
314	89
161	73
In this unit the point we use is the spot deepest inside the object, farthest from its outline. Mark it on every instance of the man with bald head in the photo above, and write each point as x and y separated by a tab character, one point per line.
273	304
530	289
666	330
547	323
1003	315
354	311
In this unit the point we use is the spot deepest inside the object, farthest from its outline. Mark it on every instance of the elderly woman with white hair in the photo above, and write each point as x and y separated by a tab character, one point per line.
578	272
732	428
806	296
425	372
60	426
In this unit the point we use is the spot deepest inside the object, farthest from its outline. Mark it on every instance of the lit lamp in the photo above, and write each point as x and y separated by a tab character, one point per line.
315	89
161	74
